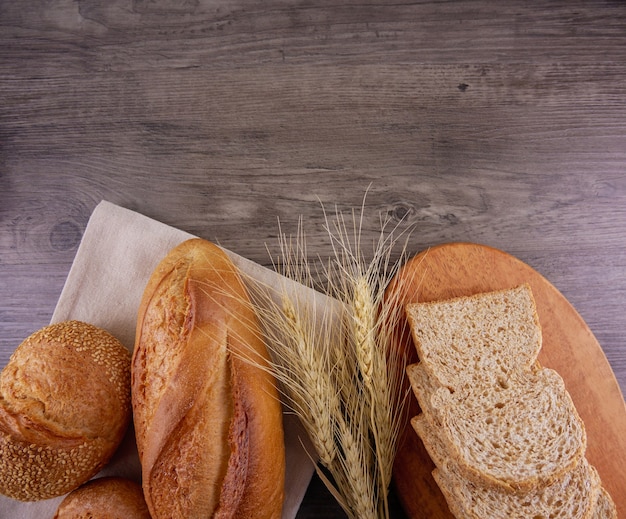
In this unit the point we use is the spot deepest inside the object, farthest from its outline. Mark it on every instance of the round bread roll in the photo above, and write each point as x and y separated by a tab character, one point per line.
64	409
105	498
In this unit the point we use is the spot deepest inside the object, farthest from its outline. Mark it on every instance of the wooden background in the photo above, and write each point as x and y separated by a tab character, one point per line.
502	123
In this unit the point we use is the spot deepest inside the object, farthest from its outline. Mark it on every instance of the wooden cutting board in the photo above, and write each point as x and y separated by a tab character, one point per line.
569	347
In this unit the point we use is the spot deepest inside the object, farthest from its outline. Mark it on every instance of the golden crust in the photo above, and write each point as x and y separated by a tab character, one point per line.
105	498
64	409
208	423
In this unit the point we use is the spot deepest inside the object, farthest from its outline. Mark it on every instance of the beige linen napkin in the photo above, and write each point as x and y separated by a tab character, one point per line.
117	254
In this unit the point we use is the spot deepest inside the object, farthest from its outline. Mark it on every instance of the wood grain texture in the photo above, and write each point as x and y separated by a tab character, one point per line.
497	123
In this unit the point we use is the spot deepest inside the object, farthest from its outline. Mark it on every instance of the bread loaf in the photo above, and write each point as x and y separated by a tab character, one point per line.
207	415
104	498
64	409
503	432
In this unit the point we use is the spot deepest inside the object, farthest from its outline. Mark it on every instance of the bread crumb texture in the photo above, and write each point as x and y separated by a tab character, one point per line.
503	431
64	409
572	496
477	339
523	435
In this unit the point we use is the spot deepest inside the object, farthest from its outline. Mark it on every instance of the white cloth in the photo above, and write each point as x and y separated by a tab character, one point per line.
118	252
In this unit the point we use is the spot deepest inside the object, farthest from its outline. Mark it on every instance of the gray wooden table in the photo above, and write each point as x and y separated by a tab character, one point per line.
502	123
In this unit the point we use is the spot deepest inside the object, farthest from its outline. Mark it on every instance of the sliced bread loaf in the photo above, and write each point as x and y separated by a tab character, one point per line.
503	431
572	496
476	339
520	434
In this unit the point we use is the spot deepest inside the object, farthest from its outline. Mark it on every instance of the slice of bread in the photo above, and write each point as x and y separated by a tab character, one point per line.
433	443
605	507
572	496
476	339
423	387
519	434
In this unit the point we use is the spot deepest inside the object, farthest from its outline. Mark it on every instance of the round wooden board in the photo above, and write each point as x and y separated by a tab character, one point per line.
569	347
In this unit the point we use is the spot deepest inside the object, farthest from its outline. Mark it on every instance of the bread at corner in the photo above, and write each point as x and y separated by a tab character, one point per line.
105	498
64	409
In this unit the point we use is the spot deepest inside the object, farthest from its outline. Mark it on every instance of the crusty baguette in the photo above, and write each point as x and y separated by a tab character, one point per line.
476	339
105	498
207	415
64	409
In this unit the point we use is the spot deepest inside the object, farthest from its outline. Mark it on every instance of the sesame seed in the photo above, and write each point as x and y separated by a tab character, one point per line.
56	462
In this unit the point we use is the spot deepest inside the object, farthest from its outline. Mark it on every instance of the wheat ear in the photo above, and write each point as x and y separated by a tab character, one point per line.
337	371
314	392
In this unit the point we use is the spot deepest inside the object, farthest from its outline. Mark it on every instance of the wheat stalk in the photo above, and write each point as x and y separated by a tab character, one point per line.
316	400
364	371
334	358
335	363
380	368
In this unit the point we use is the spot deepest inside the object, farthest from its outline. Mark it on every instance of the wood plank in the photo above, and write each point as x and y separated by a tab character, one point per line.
58	38
501	124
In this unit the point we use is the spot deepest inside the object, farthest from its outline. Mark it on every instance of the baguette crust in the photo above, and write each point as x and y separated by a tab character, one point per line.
208	422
